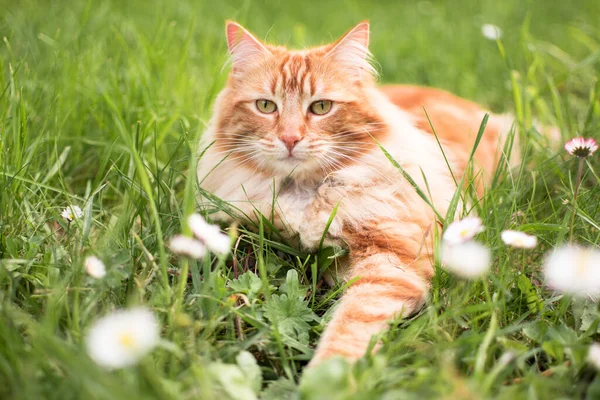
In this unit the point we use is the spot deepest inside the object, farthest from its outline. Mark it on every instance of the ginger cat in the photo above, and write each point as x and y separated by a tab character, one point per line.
303	124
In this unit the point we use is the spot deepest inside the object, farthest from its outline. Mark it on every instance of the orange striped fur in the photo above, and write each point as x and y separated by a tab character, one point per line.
315	162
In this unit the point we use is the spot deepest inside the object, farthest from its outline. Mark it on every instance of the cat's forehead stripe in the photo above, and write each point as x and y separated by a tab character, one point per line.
274	83
305	72
293	69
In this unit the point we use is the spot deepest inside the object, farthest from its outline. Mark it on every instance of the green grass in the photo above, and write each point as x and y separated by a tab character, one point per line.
101	106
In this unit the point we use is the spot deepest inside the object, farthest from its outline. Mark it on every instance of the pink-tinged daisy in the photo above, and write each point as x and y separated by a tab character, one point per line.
94	267
187	246
518	239
462	231
581	147
210	235
574	270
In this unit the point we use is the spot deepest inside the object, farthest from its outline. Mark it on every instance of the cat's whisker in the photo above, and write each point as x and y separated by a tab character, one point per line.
239	142
243	137
332	162
356	148
361	161
243	157
354	136
325	163
232	152
373	126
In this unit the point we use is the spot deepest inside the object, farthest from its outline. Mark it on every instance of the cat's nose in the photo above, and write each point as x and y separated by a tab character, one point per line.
290	140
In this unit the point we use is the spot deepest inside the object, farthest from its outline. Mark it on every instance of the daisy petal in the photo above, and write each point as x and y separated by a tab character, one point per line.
594	355
120	339
491	32
71	213
581	147
94	267
518	239
187	246
464	230
210	235
574	270
467	260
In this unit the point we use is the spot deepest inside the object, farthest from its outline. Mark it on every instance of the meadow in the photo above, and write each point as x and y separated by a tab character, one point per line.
101	107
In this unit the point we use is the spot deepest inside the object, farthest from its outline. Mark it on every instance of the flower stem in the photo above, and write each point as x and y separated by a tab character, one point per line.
576	190
482	352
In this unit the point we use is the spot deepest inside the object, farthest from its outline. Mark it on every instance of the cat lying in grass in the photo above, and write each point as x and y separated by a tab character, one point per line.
307	125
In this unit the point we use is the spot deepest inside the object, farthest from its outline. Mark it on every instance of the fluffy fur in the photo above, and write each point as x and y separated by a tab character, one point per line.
335	159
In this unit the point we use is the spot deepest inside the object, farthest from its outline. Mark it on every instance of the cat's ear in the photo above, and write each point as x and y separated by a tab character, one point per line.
244	48
352	49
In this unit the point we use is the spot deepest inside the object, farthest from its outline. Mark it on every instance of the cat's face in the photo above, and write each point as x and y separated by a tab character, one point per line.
297	113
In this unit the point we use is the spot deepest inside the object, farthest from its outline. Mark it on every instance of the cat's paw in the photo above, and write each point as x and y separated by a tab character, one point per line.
312	229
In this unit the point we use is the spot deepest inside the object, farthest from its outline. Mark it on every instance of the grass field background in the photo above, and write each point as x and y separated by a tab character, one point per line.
101	106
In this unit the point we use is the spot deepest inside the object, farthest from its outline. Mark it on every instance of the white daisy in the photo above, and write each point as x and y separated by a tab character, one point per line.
187	246
468	260
94	267
574	270
71	212
210	235
120	339
462	231
518	239
491	32
581	147
594	355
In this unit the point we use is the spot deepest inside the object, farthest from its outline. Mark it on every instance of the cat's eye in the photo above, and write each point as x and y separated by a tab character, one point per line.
266	106
320	107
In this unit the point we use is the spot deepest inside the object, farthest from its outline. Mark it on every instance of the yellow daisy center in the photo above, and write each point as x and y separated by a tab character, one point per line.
126	340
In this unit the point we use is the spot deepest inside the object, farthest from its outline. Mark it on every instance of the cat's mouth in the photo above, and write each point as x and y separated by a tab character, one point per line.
291	162
292	157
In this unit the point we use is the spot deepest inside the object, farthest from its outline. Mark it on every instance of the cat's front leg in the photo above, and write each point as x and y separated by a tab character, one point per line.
384	289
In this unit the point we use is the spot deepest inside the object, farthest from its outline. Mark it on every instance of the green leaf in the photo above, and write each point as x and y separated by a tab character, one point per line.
534	302
329	380
593	391
58	164
554	350
233	380
248	365
562	334
513	345
327	256
328	224
290	312
292	286
586	312
536	331
281	389
248	283
291	316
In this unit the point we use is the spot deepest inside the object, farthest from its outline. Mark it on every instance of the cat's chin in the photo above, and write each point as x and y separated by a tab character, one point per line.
295	167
